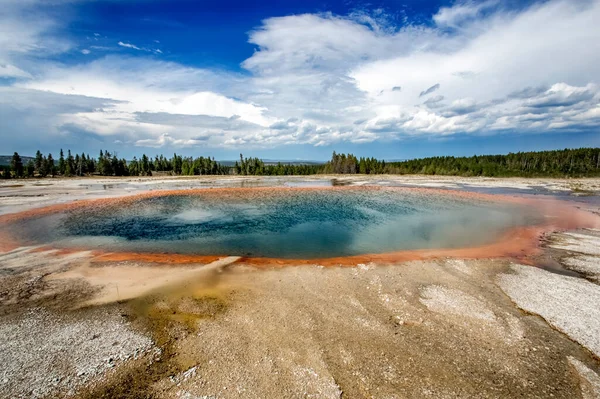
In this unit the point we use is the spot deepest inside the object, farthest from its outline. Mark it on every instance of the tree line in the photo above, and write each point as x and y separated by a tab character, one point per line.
109	164
568	162
256	167
579	162
349	164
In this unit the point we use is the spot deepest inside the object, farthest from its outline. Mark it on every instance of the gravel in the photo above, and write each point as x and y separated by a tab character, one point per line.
569	304
44	354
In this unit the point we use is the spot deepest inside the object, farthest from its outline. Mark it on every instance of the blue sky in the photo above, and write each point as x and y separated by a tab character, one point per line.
297	80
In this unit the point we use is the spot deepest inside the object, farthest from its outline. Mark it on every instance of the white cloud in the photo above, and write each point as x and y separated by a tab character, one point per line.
545	45
321	78
129	45
11	71
149	87
334	70
26	33
134	47
462	12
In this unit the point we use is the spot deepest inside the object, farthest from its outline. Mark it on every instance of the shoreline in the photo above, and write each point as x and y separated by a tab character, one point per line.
518	243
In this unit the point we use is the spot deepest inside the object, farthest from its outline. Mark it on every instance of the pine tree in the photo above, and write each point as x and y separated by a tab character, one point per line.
39	161
50	168
134	167
115	166
145	167
17	165
242	165
6	174
62	167
70	164
43	171
30	168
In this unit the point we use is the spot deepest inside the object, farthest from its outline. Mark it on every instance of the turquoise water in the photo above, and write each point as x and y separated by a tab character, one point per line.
297	224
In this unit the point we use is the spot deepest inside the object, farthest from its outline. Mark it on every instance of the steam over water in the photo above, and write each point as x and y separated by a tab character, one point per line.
282	223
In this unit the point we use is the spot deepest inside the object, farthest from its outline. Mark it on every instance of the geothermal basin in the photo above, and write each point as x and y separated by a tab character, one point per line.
286	223
172	289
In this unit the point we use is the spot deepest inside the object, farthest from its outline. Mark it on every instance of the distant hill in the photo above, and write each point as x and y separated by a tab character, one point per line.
6	159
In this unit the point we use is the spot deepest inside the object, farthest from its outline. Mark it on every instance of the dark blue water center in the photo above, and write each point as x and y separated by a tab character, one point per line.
298	224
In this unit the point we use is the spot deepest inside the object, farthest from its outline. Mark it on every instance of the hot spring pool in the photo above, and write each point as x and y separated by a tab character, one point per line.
280	223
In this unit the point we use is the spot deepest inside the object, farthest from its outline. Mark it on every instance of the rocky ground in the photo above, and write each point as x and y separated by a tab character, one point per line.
491	328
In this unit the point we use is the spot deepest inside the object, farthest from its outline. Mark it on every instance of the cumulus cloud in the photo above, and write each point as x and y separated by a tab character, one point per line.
504	61
166	139
563	95
40	117
462	106
155	103
318	79
434	102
